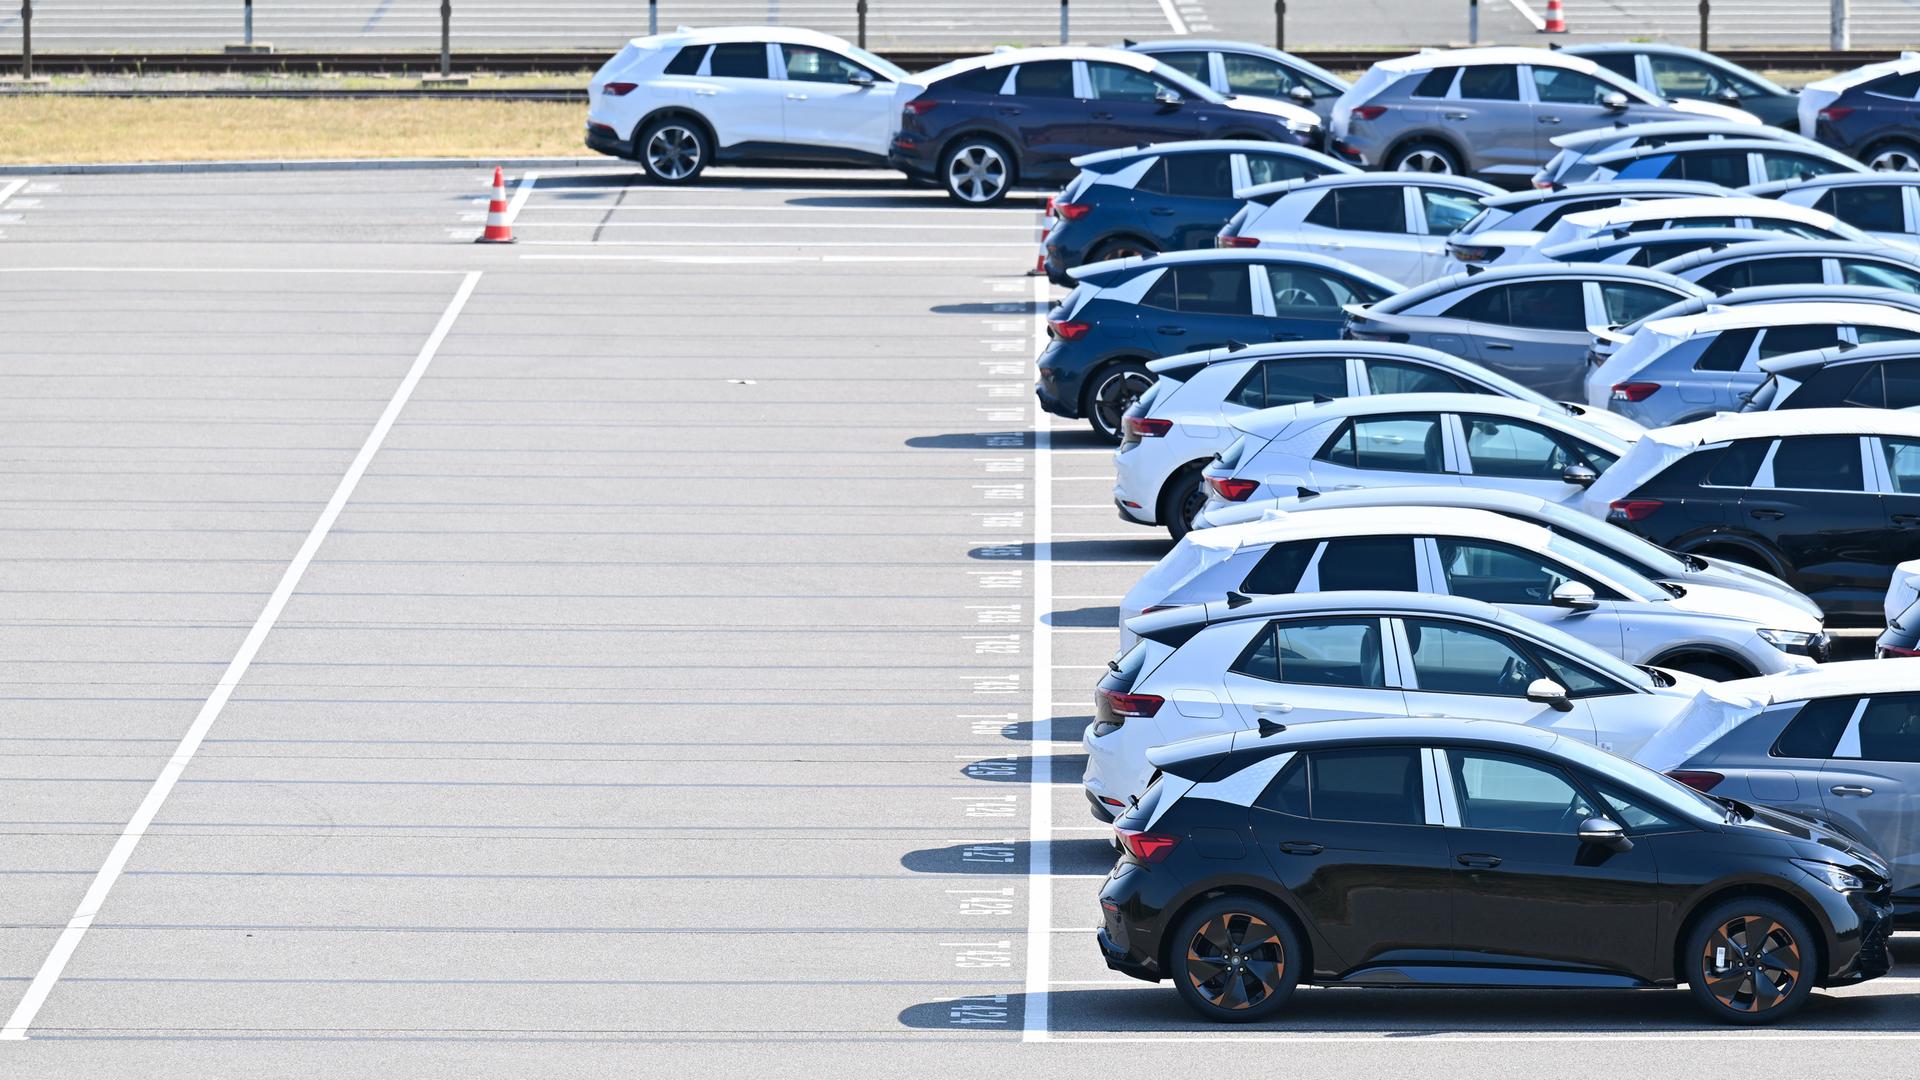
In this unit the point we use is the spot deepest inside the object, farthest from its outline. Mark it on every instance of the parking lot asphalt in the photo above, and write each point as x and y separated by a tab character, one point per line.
662	643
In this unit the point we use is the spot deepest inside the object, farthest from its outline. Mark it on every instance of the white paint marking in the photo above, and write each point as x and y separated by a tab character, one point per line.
521	192
1174	20
1527	14
1040	826
10	189
96	896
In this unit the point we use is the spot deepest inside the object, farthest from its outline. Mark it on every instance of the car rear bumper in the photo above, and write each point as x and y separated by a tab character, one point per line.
1124	962
913	158
605	140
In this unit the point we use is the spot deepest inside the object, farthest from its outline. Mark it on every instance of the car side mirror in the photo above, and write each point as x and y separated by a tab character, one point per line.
1168	99
1729	94
1615	101
1600	832
1580	476
1577	595
1301	94
1549	693
861	79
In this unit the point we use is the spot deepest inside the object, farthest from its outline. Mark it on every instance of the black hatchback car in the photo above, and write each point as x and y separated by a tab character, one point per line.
1448	853
1165	197
981	126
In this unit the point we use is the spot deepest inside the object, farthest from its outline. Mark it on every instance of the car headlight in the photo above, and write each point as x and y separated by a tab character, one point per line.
1836	878
1303	127
1793	641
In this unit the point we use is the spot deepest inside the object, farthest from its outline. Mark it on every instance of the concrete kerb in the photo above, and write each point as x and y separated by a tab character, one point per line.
315	165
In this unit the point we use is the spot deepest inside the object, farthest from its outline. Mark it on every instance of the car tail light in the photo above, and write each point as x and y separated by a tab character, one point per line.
918	107
1836	113
1886	651
1070	211
1697	779
1543	185
1232	489
1370	112
1145	846
1148	427
619	89
1068	331
1634	509
1140	706
1475	254
1237	241
1634	391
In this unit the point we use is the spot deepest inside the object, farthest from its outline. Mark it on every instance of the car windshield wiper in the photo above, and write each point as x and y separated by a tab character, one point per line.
1677	590
1660	678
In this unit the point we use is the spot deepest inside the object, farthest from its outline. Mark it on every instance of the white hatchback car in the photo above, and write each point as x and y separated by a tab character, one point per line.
679	102
1724	211
1175	428
1518	566
1412	440
1235	665
1394	224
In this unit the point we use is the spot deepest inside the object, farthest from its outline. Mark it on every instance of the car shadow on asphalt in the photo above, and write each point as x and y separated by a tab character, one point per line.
991	307
1065	769
973	440
1060	728
1093	551
1106	617
1088	856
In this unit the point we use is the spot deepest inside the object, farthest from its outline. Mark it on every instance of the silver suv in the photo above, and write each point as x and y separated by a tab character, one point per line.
1491	112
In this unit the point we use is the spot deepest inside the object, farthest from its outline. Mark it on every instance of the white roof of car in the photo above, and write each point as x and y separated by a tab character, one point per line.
1827	680
1724	427
1374	520
1705	206
1266	423
1815	312
715	35
1497	54
1908	61
1009	57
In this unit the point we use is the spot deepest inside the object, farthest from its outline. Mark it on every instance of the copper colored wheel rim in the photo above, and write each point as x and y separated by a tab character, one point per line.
1751	963
1234	961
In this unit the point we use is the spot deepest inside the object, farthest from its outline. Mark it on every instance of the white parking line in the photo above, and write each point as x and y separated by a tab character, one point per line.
10	189
96	895
521	193
1040	787
1174	20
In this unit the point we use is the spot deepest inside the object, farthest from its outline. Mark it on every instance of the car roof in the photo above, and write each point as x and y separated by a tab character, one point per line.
1428	59
1724	427
1845	179
1801	364
1609	240
1745	316
1373	520
1477	498
1701	125
1193	146
1635	153
1828	680
1185	365
1244	48
715	35
1711	206
1233	255
1267	423
1771	248
1582	271
1009	57
1270	193
1791	294
1623	189
1847	80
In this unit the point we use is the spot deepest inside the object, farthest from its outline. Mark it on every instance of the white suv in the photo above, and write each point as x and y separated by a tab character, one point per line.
678	102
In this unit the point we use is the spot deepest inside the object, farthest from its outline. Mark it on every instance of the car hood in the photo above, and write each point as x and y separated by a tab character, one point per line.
1718	112
1741	605
1500	238
1818	839
1746	579
1624	428
1294	115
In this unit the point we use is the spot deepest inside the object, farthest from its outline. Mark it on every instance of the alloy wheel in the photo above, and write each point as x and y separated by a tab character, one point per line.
1234	961
1751	964
673	152
977	173
1426	161
1115	395
1896	159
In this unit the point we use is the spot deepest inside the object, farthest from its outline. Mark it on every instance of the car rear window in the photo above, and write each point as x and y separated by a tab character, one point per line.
739	60
987	80
1436	83
687	60
1815	730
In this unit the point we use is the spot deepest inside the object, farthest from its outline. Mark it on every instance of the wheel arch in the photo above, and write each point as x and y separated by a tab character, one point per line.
1090	380
1712	649
1160	506
1443	140
985	131
1164	955
675	112
1690	918
1716	543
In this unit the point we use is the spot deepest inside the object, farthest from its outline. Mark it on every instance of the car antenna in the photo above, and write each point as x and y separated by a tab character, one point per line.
1238	599
1269	727
1235	346
1303	493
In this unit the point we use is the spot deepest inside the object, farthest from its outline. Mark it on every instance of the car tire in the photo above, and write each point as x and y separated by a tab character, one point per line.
1122	247
1894	155
1183	497
1235	959
1111	391
1425	157
977	170
674	150
1750	960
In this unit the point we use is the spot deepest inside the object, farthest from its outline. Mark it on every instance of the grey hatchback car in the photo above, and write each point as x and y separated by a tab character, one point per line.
1532	323
1840	743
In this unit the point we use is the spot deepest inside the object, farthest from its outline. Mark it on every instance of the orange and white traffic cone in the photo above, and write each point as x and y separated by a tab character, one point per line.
1556	18
498	230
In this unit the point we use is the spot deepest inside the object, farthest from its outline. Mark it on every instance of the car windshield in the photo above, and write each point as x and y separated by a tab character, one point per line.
1596	560
1632	90
877	63
1638	778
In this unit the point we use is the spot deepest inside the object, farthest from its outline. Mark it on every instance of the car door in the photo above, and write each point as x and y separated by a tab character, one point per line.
1564	101
1438	213
1489	114
1216	305
1367	225
1523	582
1542	340
1517	455
739	96
1287	380
1810	500
1872	782
1899	471
830	100
1046	113
1188	196
1386	450
1124	107
1336	825
1528	890
1305	303
1460	669
1305	669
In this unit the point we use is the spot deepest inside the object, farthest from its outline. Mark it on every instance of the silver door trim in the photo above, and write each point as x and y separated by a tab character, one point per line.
1449	798
1848	748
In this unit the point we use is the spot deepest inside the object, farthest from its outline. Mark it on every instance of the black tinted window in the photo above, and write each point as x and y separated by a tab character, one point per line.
1279	570
1288	792
1869	390
1898	86
1165	293
1489	305
1818	463
1374	208
1380	785
1049	79
1215	290
1738	463
1368	562
1874	207
977	81
1208	175
1815	730
687	60
1620	64
1764	272
1490	82
1330	652
1903	384
1435	83
739	60
1547	305
1399	377
1728	168
1781	340
1727	351
1193	65
1890	728
1291	382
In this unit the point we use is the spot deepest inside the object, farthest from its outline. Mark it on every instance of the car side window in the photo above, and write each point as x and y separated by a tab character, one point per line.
1728	168
1490	82
1679	76
808	64
1279	570
1737	463
1400	377
1879	275
1190	63
1626	302
1501	574
1215	290
1287	794
1547	305
1781	340
1902	86
1488	305
1436	83
1869	335
1327	652
1620	64
1403	443
1889	730
1205	175
1576	678
1291	382
687	60
1815	730
1873	207
1455	658
988	80
738	60
1368	562
1164	293
1817	463
1903	455
1447	210
1740	275
1513	794
1382	785
1861	385
1306	293
1503	446
1117	82
1047	79
1561	86
1273	168
1371	208
1727	351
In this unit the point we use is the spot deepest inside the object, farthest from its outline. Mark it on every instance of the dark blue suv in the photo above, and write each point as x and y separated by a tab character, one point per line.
1871	114
1165	197
1126	312
983	125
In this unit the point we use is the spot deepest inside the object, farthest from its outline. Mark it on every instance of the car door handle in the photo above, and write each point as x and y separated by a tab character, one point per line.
1173	331
1860	790
1478	861
1009	110
1500	345
1455	115
1549	119
1103	116
1333	245
1301	847
1161	211
1906	521
1767	515
704	91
